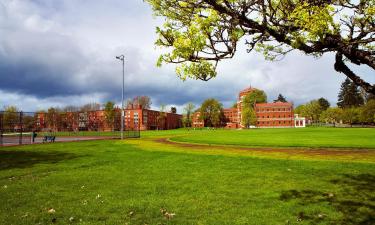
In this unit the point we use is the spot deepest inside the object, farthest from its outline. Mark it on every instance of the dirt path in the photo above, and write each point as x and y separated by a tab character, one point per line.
265	150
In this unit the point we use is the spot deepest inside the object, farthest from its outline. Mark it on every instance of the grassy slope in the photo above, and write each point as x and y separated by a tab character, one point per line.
308	137
200	188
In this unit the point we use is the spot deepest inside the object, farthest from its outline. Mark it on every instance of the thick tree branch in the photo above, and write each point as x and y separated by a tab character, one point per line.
342	68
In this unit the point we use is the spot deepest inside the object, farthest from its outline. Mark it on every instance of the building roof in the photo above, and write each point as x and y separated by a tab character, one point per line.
274	104
230	109
246	91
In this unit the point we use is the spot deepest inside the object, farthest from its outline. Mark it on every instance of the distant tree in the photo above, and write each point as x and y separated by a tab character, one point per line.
109	113
188	114
300	110
350	115
324	103
280	98
52	118
234	105
248	117
312	110
162	117
211	112
331	115
256	96
367	114
173	110
349	95
10	117
143	102
70	108
90	107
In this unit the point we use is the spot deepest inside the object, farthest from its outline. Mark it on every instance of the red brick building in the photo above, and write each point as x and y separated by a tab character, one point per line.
276	114
134	118
147	119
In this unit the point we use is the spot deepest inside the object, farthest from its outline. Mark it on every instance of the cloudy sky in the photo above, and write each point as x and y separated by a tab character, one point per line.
62	52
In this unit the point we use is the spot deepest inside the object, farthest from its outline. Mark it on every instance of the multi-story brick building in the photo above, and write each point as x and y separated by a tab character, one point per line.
278	114
134	118
147	119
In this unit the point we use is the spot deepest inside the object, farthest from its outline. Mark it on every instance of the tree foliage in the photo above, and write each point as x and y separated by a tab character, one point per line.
211	112
351	115
10	117
324	103
90	107
144	102
312	110
109	113
331	115
249	117
200	33
256	96
349	95
188	114
367	114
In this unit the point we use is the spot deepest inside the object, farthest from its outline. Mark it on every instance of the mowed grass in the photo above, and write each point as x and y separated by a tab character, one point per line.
128	182
301	137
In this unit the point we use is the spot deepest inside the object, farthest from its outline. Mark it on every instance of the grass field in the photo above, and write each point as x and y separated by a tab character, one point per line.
128	182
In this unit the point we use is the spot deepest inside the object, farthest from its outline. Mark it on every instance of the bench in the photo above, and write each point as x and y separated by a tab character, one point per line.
49	138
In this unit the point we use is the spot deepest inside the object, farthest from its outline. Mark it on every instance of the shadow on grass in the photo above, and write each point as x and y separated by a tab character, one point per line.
353	197
25	159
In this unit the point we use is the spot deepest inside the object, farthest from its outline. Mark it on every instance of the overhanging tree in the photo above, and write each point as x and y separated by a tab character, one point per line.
200	33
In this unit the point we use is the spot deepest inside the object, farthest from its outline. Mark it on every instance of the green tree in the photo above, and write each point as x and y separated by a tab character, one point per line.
249	117
349	95
10	118
351	115
109	113
188	114
280	98
211	112
312	110
331	115
162	117
300	110
53	118
199	34
256	96
324	103
173	110
368	112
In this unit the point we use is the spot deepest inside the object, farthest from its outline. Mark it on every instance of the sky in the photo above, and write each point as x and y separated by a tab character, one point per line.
55	53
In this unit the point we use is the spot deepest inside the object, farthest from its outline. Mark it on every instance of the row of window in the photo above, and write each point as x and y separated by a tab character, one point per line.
273	110
273	123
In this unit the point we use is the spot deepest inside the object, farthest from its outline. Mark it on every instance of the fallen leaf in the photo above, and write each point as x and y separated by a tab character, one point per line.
51	210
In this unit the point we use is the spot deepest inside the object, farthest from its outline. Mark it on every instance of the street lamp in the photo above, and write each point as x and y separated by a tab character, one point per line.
122	58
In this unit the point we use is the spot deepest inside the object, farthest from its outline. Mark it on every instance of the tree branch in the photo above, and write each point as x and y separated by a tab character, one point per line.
342	68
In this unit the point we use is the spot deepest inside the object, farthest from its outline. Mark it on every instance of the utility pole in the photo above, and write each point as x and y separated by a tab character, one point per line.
122	58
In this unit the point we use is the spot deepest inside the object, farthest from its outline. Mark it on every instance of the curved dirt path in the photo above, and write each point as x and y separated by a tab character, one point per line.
352	152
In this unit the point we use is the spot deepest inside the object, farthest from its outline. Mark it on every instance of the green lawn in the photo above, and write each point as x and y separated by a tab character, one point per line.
303	137
128	182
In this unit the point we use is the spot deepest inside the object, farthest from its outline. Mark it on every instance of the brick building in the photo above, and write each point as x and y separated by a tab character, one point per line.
276	114
147	119
134	118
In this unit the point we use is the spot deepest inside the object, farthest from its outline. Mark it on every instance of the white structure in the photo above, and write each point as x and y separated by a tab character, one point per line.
299	121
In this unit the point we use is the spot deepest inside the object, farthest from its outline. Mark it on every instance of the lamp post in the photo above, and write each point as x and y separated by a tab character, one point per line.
122	58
